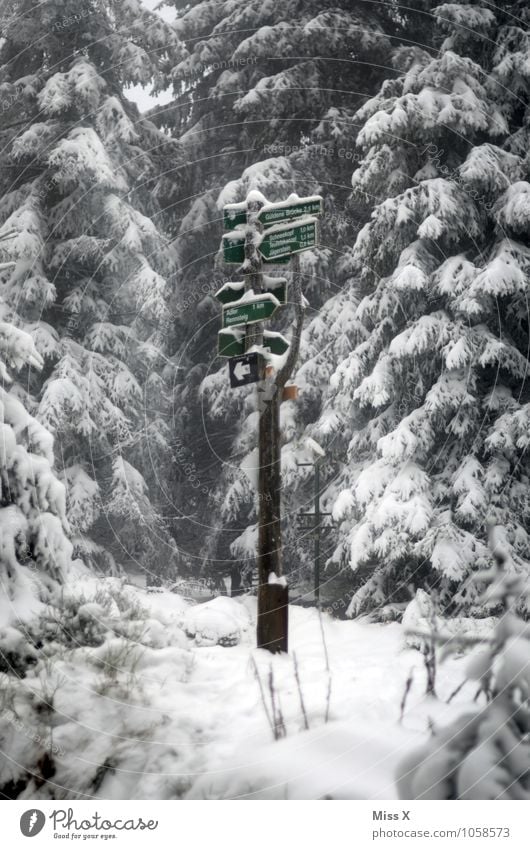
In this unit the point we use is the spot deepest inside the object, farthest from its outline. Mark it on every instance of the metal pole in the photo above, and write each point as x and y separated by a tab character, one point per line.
316	527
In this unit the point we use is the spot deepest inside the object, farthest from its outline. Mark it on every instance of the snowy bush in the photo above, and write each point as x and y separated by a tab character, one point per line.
222	621
420	618
484	754
100	667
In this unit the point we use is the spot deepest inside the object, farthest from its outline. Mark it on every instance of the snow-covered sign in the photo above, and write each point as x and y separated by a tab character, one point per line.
235	214
288	210
276	286
250	309
231	343
234	291
275	342
231	292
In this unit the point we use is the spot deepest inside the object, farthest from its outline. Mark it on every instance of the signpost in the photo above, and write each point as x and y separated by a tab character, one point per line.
291	228
244	370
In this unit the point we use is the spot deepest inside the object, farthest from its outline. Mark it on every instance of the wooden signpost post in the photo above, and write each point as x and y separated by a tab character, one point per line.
262	233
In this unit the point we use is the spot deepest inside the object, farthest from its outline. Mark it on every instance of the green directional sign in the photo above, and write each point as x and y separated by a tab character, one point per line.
289	239
277	286
279	212
259	309
231	343
275	342
230	293
234	251
235	214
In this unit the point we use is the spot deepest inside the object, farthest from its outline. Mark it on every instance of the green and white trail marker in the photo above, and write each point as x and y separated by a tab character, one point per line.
235	214
254	308
286	239
278	213
234	250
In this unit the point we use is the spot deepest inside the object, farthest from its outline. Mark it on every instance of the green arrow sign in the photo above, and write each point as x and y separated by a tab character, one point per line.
235	214
288	211
231	343
234	251
276	286
286	240
275	342
258	309
230	293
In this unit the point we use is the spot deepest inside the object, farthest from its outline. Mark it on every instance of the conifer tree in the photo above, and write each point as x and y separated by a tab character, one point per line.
90	280
264	100
431	402
35	551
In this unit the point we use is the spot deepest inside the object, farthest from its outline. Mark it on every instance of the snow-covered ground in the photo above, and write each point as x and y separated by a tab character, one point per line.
148	704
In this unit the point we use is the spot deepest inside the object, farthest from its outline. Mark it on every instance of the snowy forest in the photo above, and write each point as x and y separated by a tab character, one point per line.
130	476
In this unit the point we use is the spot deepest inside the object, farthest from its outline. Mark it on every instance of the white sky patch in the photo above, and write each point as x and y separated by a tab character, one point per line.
141	94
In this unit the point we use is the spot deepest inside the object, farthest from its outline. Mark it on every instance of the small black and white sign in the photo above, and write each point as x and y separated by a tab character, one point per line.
243	370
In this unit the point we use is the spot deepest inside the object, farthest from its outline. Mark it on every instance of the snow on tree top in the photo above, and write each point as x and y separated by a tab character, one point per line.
255	196
314	446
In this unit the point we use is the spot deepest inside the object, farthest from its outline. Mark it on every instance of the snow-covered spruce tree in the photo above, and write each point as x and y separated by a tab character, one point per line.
264	101
484	754
35	551
434	398
90	277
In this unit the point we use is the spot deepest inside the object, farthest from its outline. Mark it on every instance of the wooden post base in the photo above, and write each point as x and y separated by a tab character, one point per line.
272	631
